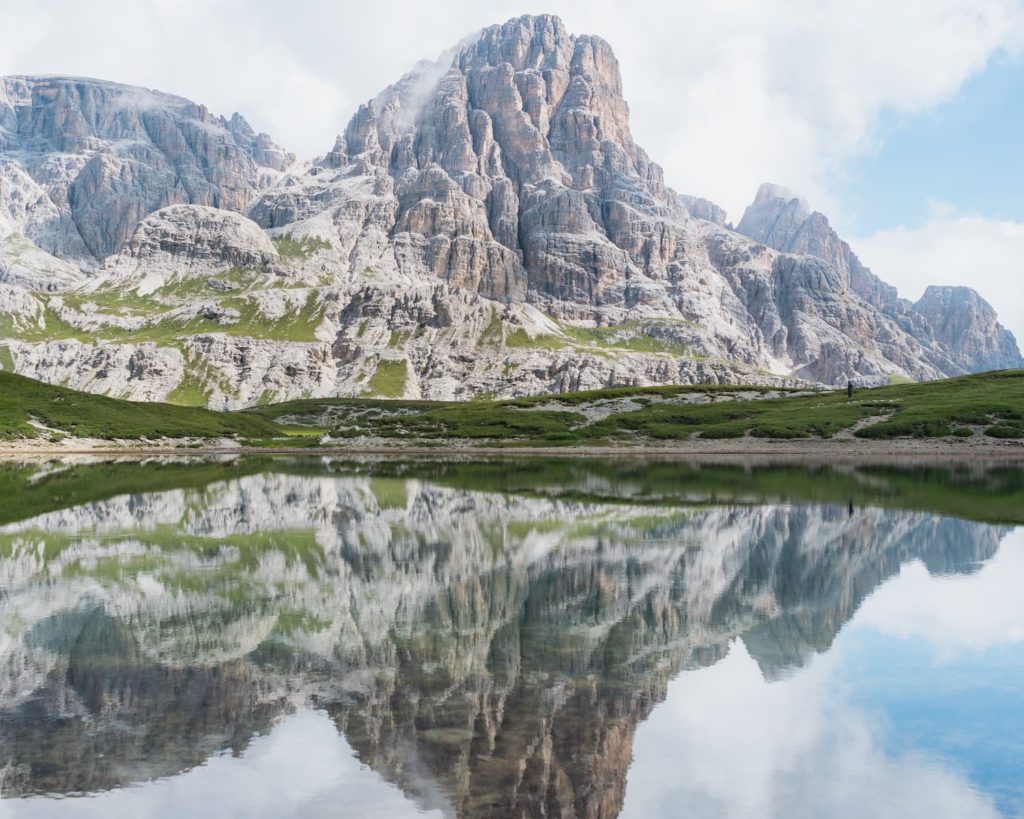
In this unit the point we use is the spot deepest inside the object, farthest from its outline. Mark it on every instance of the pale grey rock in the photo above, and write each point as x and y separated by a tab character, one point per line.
137	372
704	209
25	208
187	234
967	325
247	371
107	155
26	265
951	330
21	308
184	241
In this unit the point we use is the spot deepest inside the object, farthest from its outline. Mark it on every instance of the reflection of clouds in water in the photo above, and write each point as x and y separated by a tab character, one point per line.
954	613
725	743
303	768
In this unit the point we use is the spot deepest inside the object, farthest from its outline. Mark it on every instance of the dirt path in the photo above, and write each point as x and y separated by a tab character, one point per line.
807	450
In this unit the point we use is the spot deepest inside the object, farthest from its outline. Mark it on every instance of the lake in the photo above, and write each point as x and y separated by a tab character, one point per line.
289	637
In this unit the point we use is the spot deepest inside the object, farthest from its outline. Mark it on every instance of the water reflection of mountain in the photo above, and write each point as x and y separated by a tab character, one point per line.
492	654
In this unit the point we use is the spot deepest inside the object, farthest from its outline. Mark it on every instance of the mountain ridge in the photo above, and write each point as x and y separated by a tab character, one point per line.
486	225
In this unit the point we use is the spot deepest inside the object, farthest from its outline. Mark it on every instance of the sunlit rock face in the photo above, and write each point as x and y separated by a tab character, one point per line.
952	328
489	653
106	155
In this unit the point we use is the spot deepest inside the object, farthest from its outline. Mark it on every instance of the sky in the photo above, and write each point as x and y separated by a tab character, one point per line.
902	120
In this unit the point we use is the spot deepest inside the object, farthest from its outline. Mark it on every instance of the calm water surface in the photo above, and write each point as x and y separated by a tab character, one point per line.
316	638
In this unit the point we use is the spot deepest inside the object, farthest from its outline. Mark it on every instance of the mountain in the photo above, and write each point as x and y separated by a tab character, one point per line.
957	327
486	225
84	161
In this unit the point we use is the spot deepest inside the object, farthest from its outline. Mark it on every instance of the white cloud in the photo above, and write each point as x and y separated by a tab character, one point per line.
304	767
954	614
726	743
986	254
787	90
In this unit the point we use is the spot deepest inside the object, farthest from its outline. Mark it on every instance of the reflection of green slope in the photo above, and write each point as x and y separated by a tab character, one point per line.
389	492
294	545
25	495
625	529
993	494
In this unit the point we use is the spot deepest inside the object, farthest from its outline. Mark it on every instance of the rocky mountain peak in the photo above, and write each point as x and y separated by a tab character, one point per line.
100	156
967	324
962	323
776	217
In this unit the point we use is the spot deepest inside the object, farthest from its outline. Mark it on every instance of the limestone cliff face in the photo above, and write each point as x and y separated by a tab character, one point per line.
183	237
953	328
106	155
967	324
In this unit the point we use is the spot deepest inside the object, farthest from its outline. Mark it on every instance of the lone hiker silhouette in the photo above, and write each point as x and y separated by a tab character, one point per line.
849	388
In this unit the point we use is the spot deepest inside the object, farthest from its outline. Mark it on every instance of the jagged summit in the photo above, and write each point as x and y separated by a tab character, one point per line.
956	326
98	156
781	219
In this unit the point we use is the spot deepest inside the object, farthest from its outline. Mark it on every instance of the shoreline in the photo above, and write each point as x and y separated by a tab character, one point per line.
803	450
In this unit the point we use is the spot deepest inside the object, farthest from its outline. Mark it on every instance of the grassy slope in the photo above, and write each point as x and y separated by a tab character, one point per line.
993	402
96	416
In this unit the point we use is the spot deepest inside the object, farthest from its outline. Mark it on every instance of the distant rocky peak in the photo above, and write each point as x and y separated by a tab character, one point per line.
967	324
105	155
776	217
770	192
240	126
